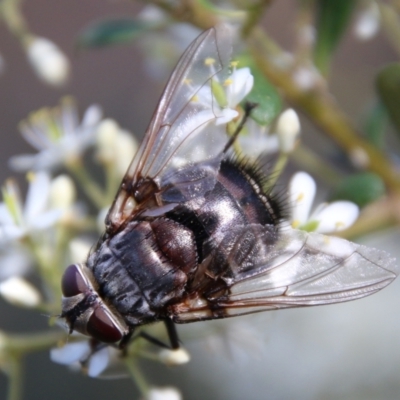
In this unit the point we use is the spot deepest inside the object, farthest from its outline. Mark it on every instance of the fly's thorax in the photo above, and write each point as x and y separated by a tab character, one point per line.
85	311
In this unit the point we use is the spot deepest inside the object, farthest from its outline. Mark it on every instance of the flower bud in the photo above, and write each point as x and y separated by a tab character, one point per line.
288	129
19	292
174	357
115	145
62	192
48	61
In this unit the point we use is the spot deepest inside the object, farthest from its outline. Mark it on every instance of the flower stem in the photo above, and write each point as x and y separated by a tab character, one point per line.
15	379
21	344
323	111
137	376
276	171
10	12
92	190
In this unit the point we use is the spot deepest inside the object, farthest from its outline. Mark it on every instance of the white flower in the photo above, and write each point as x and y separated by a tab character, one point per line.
48	61
19	292
163	393
288	130
18	220
95	359
326	218
223	97
57	135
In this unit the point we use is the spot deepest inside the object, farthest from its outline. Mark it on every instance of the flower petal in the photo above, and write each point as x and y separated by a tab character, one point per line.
70	353
23	162
46	219
239	86
5	216
302	188
37	196
98	362
92	116
19	292
336	216
226	115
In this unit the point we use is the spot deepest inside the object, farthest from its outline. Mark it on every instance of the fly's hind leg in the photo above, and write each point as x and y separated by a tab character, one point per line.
248	108
172	335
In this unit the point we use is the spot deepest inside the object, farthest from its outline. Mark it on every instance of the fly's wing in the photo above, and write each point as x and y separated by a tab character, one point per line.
269	270
184	129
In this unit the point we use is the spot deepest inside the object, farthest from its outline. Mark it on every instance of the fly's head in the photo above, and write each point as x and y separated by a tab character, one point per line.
85	311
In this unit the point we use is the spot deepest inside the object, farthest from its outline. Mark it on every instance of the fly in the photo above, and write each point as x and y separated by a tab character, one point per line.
192	235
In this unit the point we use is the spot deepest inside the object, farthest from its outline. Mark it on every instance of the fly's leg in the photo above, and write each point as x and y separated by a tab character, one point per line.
248	108
172	335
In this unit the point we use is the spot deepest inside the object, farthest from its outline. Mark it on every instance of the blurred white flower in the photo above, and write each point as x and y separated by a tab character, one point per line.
95	359
288	130
18	220
57	135
115	146
367	22
326	218
163	393
19	292
48	61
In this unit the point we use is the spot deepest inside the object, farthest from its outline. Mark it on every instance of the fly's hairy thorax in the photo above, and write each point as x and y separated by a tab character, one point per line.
158	261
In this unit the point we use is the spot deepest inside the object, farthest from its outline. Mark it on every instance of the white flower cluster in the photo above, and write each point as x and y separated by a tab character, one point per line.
29	229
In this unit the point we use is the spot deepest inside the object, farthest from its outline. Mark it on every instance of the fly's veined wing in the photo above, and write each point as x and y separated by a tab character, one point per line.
271	269
184	128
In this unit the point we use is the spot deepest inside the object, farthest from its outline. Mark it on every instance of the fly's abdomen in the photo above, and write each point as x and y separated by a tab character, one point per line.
144	266
237	200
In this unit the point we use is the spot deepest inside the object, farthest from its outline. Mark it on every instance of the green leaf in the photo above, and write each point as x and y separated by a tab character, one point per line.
375	124
264	94
333	17
388	87
113	31
362	188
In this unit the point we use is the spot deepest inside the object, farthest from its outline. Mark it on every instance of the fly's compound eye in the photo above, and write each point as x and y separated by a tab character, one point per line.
72	282
101	327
